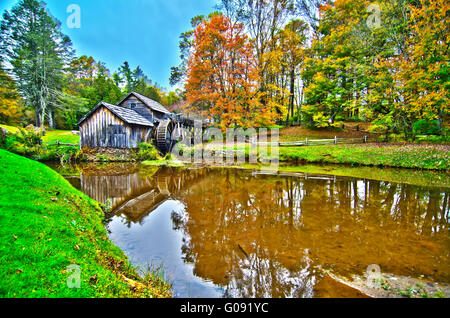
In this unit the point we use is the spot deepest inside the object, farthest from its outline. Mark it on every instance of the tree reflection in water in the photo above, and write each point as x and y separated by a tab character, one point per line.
262	235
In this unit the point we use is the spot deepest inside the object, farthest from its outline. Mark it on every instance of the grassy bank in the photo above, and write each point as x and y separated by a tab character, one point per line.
47	225
424	178
434	157
417	156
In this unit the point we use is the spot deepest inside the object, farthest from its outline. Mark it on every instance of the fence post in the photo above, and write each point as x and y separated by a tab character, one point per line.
57	143
306	142
335	140
365	139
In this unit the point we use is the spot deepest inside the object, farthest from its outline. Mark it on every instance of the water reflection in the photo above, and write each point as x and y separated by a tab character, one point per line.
235	233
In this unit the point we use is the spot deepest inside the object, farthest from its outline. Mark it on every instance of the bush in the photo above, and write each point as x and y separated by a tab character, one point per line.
27	142
29	136
147	151
427	127
434	139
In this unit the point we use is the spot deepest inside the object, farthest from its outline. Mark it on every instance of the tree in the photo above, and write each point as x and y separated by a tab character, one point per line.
341	72
171	98
33	45
329	71
309	10
10	108
222	75
423	70
262	18
86	83
127	75
83	68
178	73
412	70
292	44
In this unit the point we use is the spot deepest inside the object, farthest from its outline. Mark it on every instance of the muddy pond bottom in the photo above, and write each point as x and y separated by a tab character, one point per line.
236	233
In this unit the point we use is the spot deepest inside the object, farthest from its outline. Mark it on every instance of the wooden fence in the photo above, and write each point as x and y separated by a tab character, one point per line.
315	142
58	143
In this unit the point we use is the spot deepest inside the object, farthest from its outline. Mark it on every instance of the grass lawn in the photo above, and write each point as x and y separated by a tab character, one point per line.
51	135
10	129
63	136
418	156
387	155
47	225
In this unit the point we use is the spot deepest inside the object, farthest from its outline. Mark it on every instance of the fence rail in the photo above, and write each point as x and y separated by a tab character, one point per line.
59	143
315	142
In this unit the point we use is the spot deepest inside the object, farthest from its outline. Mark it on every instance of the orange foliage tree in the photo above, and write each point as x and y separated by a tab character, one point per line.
223	76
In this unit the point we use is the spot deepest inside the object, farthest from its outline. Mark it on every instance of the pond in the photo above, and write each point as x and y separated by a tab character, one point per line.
219	232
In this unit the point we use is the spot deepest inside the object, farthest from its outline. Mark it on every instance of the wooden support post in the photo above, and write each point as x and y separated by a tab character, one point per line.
365	139
306	142
335	140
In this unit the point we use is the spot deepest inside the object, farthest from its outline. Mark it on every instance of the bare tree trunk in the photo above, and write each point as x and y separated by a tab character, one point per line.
51	118
292	92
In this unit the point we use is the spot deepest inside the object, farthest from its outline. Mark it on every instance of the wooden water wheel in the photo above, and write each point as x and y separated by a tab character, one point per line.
164	132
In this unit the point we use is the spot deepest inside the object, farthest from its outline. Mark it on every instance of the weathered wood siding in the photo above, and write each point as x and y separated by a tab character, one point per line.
141	108
103	129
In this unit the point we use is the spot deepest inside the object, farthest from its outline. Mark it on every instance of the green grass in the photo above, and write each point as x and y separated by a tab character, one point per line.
417	156
163	162
387	155
63	136
10	129
46	225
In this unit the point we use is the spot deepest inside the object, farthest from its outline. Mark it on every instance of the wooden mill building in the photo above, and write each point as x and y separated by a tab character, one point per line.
124	125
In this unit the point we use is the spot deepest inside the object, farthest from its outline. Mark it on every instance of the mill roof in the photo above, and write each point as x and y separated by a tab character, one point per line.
154	105
127	115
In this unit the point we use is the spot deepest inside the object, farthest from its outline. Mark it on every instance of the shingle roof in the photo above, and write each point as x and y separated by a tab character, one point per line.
127	115
149	102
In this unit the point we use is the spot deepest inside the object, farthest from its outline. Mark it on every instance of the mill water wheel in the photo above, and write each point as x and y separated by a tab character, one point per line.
164	132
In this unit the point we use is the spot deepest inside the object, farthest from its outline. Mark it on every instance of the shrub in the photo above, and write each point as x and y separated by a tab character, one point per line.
427	127
147	151
29	136
321	121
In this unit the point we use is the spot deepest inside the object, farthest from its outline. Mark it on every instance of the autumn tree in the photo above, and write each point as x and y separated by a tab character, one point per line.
10	104
336	59
292	45
423	68
223	75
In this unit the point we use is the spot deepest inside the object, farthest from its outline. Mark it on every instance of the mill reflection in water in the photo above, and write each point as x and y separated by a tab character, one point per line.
236	233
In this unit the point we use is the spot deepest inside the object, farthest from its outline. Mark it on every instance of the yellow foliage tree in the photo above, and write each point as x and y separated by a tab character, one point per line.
10	108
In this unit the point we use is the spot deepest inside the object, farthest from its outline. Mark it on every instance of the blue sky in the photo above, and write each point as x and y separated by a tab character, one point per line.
142	32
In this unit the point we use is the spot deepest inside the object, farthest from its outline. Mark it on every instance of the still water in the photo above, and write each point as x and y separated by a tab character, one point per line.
240	233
